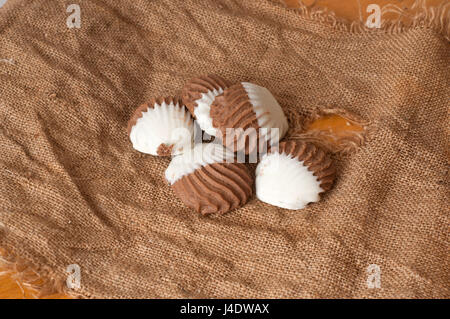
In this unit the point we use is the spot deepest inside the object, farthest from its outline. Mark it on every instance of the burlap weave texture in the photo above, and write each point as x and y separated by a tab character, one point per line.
73	191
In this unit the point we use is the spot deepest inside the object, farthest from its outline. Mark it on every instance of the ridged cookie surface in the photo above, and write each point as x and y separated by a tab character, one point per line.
198	95
294	175
209	181
248	115
161	127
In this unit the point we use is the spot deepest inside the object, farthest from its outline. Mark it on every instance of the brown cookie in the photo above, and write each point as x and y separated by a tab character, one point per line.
161	127
313	157
294	175
209	181
198	95
248	115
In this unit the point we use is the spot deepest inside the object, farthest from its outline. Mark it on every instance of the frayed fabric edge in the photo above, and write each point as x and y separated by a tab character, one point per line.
419	15
436	18
341	146
39	281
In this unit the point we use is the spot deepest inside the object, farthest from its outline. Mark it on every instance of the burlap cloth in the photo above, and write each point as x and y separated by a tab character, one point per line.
73	191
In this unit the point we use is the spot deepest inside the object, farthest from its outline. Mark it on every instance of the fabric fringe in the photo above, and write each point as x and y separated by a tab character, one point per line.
341	145
418	16
37	281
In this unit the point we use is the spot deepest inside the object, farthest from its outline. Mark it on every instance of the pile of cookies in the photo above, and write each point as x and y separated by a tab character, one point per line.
243	119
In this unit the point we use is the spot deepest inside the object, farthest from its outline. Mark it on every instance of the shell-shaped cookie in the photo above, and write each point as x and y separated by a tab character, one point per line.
248	115
198	95
294	175
208	180
162	127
